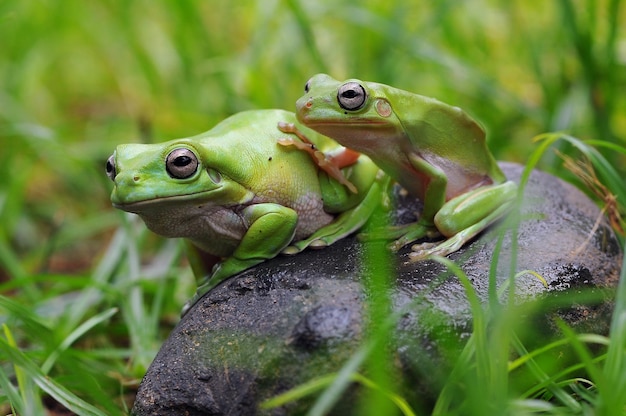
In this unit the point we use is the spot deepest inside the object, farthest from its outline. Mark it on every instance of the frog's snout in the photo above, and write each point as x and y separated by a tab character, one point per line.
303	103
303	107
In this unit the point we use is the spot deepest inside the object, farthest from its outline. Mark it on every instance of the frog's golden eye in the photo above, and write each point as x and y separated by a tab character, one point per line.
351	96
181	163
110	167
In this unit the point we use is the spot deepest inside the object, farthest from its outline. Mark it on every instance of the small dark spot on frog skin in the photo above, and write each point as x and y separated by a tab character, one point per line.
270	159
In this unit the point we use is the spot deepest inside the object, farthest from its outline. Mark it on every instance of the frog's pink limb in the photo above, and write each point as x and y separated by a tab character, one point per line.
344	158
331	164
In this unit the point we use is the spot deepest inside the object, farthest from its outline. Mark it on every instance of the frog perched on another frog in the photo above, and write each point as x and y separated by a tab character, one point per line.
435	151
241	197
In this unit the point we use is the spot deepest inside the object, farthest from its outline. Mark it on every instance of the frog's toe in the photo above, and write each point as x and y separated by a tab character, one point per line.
188	306
397	245
318	244
422	251
290	250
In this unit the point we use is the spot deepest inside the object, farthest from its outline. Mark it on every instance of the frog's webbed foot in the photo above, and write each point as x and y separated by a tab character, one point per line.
401	234
322	238
331	164
345	223
316	243
458	240
413	233
424	250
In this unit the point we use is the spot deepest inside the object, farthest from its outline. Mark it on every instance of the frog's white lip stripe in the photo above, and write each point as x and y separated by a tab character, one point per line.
138	205
346	123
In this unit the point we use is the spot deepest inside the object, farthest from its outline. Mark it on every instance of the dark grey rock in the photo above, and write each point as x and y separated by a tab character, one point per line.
291	319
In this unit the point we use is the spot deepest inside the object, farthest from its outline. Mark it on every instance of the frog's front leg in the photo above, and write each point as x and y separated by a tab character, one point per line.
434	199
463	217
272	227
351	210
331	163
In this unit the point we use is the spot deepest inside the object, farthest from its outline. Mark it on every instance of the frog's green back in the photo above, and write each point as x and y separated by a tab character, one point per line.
245	147
442	129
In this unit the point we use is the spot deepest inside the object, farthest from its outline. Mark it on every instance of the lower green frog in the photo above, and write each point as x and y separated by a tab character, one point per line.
241	194
434	150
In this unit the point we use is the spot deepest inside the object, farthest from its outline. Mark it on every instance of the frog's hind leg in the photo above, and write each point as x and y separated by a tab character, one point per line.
501	196
454	243
347	222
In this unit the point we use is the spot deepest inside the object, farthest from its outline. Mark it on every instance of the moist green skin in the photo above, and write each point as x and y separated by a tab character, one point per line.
434	150
249	197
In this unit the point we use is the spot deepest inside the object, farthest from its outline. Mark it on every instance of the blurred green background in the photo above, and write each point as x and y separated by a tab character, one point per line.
79	77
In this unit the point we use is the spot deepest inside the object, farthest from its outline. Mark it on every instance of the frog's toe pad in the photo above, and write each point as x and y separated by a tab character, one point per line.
397	245
290	250
421	251
318	244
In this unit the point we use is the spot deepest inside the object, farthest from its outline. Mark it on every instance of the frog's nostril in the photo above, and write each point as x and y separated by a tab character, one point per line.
136	178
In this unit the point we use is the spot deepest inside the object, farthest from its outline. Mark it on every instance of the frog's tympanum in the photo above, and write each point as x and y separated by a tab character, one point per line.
435	151
241	193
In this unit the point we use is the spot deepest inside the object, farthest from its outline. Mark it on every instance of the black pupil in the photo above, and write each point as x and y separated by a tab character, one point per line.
350	94
182	161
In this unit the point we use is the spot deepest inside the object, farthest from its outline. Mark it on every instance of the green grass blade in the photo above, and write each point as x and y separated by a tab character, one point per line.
299	392
74	335
402	404
34	324
58	392
20	402
475	353
526	356
585	356
344	377
614	371
100	277
11	394
544	380
319	383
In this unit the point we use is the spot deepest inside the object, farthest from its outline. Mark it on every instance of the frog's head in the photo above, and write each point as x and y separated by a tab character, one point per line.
348	109
170	180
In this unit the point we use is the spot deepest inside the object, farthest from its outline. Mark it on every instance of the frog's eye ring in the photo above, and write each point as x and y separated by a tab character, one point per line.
110	167
351	96
181	163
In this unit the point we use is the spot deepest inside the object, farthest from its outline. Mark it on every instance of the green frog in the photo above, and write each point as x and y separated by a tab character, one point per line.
242	193
435	151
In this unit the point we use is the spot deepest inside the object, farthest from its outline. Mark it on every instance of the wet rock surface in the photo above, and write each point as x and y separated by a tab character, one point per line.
291	319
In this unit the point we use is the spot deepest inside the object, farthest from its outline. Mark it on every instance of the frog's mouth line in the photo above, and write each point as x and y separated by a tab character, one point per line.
351	122
146	204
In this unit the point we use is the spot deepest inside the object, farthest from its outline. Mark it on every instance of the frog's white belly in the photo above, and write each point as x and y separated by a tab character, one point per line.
219	230
215	229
